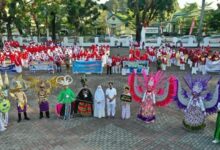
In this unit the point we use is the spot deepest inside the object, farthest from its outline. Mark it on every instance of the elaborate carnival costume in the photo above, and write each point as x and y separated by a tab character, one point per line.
4	103
126	100
196	105
65	98
217	128
149	91
43	89
17	89
84	103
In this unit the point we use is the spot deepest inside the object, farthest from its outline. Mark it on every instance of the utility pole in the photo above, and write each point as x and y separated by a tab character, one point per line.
201	22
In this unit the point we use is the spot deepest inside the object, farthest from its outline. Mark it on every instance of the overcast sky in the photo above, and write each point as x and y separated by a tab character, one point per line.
183	2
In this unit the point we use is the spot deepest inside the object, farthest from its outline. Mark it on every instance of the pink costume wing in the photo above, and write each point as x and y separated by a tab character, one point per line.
136	90
169	92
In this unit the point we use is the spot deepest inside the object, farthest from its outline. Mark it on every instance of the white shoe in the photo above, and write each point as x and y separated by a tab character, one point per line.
215	141
3	129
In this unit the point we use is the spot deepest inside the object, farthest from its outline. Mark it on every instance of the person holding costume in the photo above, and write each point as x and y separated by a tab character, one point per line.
4	103
65	98
152	90
99	103
217	128
19	95
126	100
197	104
84	104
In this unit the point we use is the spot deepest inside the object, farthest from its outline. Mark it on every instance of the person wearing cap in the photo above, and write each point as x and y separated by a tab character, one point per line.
19	95
111	94
125	102
99	102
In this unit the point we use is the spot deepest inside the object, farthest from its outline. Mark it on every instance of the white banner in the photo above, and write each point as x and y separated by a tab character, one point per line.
212	66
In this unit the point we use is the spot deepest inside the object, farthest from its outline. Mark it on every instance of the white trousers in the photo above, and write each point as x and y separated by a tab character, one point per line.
126	112
182	66
3	121
111	109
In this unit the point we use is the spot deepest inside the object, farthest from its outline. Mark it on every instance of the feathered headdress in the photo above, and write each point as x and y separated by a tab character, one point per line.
64	80
197	84
163	87
83	80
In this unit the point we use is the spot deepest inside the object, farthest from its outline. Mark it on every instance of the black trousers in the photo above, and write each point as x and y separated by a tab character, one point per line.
109	69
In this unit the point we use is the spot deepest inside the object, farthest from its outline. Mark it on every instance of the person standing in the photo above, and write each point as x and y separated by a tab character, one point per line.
109	65
67	63
111	94
126	101
99	102
217	128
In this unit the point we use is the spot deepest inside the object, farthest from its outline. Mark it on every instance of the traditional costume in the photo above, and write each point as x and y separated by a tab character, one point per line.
4	103
66	97
99	102
126	100
19	95
154	89
84	103
217	127
196	105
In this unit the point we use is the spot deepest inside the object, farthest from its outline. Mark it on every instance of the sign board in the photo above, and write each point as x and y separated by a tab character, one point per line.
94	66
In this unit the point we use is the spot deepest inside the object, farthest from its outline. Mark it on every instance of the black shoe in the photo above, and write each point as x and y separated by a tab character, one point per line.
19	117
41	115
47	114
25	116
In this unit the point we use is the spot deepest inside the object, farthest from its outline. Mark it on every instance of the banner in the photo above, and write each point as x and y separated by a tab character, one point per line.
87	67
43	66
9	68
212	66
139	65
192	26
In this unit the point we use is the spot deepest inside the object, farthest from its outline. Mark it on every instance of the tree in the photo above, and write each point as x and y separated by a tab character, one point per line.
146	11
82	13
201	22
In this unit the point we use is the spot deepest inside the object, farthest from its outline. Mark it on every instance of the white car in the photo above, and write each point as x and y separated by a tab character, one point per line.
214	39
187	39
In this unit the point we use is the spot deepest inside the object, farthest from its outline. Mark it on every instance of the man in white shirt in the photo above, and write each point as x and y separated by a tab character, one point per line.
111	94
109	65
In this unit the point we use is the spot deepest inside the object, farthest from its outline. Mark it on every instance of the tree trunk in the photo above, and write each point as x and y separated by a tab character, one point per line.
53	23
138	26
9	32
201	23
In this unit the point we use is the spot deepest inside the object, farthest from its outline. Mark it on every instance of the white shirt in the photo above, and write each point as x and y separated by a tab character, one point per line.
109	61
111	93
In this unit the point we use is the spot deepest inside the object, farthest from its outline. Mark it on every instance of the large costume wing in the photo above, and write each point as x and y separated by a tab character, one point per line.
211	105
137	91
169	92
181	99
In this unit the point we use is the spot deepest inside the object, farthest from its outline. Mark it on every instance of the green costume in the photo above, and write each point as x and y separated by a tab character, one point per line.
217	128
66	96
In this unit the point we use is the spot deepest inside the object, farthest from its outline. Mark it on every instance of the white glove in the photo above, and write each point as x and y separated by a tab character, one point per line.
67	96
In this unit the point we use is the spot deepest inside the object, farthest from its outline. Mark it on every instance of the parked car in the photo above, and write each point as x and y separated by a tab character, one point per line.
214	39
187	38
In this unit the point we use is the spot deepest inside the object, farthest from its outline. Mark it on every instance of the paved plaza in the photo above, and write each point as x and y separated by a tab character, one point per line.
87	133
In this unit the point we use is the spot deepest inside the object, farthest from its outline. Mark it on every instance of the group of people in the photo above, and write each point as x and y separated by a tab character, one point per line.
155	89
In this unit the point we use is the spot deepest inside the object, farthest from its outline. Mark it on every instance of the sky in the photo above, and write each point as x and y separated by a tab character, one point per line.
183	2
